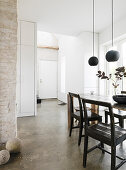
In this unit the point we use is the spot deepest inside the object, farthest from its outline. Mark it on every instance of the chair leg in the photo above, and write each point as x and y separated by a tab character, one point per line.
106	117
102	145
100	120
80	135
71	126
113	157
121	123
85	151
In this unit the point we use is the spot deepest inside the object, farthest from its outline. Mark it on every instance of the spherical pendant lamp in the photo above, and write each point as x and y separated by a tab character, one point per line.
112	55
93	61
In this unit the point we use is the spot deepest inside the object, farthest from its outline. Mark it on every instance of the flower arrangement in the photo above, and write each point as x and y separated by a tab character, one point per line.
119	74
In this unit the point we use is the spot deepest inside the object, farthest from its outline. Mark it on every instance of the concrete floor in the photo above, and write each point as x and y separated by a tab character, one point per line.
46	145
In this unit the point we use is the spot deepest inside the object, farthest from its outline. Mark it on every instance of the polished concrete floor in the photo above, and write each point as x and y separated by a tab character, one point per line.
46	145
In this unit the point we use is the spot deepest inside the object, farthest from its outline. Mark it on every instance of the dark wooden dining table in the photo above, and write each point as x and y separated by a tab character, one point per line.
95	108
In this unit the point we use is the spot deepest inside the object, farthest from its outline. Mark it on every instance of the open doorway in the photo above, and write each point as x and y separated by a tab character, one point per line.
47	66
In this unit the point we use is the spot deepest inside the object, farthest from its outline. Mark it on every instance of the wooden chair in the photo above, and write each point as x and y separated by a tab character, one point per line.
119	114
78	115
108	134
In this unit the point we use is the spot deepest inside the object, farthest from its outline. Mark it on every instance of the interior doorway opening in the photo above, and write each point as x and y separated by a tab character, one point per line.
47	66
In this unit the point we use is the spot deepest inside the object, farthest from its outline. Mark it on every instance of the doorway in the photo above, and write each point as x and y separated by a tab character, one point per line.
47	65
47	79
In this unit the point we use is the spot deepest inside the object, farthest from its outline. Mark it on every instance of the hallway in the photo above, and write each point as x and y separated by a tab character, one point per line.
46	145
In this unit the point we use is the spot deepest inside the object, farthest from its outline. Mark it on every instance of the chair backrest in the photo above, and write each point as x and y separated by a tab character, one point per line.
104	104
77	96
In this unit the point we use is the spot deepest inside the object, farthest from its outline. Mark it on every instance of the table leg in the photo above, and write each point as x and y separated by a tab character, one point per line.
95	109
68	110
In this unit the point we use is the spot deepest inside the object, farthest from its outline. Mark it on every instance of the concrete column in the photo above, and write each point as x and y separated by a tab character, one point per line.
8	59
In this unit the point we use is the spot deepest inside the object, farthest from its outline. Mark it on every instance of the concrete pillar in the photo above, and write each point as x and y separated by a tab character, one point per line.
8	59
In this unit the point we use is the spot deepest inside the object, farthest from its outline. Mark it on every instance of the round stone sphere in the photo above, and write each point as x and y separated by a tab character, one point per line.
4	157
14	145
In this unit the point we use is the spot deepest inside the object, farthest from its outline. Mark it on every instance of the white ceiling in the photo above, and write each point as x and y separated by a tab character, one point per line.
70	16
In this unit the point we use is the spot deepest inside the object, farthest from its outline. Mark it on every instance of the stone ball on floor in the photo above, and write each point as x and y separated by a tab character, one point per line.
14	145
4	157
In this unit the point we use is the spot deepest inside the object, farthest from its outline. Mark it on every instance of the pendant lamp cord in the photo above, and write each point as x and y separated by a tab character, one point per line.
93	26
112	23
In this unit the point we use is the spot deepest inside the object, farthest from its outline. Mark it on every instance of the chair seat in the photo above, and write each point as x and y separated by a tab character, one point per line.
102	132
91	116
118	114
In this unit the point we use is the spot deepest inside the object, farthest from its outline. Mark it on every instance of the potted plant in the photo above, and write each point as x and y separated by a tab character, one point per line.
120	72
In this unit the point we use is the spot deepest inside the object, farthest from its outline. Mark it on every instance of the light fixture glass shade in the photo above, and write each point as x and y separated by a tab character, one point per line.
112	56
93	61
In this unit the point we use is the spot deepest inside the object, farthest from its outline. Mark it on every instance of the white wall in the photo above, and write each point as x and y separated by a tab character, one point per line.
47	54
46	39
69	52
79	76
119	31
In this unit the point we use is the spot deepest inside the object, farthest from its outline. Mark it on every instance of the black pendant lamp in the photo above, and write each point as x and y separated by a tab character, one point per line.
112	55
93	61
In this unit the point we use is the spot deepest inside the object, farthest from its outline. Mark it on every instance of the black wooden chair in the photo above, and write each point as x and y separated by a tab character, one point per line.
78	115
119	114
109	134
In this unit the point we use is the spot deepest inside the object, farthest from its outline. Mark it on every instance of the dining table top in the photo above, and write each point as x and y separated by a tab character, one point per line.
103	98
